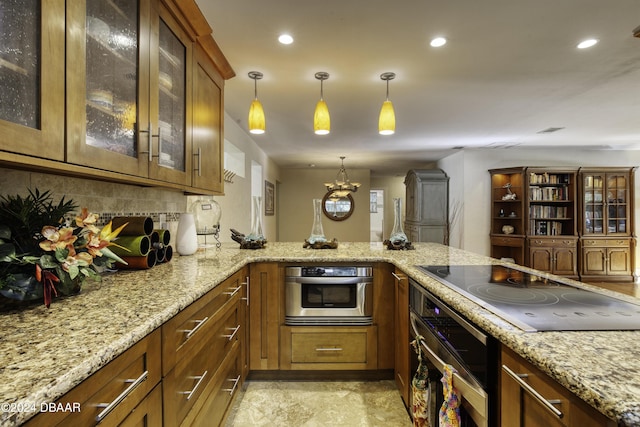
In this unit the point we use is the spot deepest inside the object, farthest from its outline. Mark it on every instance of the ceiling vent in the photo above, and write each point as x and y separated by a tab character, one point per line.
549	130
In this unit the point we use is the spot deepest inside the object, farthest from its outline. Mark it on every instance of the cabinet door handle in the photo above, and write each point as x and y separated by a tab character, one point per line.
329	349
235	384
233	334
149	151
533	392
190	332
246	283
398	278
108	407
233	291
199	156
193	390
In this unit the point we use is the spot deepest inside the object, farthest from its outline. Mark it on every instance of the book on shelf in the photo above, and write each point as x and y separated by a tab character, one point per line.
546	228
545	211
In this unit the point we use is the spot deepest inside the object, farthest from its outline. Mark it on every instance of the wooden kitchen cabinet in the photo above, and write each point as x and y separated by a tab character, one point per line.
427	206
132	375
329	348
520	407
266	314
130	91
607	259
402	368
607	231
208	117
32	71
201	348
554	255
127	109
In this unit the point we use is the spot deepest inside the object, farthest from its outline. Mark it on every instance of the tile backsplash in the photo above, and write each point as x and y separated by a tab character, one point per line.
104	198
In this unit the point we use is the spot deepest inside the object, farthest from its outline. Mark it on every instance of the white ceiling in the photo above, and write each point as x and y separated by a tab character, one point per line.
510	69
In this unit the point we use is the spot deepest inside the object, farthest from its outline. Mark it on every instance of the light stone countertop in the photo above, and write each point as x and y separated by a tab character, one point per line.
45	353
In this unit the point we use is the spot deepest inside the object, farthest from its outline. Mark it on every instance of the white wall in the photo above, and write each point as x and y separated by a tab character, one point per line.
236	202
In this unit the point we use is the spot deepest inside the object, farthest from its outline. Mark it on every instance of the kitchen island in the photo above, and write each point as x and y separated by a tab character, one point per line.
47	352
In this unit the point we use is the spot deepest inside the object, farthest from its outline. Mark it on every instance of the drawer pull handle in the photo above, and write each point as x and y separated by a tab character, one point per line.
233	334
329	349
235	384
548	404
398	278
200	379
190	332
233	292
108	407
247	285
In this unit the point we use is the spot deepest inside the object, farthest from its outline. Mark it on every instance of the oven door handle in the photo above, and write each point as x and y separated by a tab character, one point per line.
328	280
476	397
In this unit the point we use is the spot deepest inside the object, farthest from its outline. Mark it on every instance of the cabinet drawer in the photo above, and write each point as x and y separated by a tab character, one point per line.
619	243
225	387
350	347
125	382
507	241
556	242
193	375
185	333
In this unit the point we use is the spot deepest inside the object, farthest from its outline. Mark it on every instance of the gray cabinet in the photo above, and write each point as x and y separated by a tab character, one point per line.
427	206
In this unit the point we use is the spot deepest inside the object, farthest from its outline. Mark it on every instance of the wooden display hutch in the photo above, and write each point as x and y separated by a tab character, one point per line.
552	237
607	232
574	222
508	214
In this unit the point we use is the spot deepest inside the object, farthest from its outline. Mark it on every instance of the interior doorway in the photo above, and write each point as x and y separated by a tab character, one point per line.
376	215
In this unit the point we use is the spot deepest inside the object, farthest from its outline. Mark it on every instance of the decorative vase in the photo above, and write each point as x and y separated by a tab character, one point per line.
508	229
317	233
397	234
186	239
256	223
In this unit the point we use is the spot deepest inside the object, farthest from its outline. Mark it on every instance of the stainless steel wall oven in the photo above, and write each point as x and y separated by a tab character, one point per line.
327	295
448	338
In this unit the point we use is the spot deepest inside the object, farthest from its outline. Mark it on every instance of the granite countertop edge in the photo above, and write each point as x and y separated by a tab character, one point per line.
613	392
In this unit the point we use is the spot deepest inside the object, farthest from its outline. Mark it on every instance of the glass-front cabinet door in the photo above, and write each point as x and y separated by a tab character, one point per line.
171	57
127	89
605	203
32	77
107	84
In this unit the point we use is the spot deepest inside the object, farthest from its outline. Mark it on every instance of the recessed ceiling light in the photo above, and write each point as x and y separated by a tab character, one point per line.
285	39
438	41
587	43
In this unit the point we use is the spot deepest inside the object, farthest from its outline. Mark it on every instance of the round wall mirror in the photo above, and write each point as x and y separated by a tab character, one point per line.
337	208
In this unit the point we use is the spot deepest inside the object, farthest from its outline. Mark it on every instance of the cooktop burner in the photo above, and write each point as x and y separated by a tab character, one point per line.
534	303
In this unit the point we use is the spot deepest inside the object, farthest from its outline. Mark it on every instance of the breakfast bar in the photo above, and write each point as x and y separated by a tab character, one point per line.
47	352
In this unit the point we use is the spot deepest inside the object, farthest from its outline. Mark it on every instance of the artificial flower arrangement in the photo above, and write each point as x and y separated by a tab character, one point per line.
42	255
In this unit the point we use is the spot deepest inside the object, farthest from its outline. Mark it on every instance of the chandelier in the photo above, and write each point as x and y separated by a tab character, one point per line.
341	187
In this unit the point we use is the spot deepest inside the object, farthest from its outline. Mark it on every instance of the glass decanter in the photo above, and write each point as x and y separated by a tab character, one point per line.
317	233
397	234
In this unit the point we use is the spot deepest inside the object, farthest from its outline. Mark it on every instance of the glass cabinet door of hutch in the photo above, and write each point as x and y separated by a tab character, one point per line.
617	204
593	204
112	75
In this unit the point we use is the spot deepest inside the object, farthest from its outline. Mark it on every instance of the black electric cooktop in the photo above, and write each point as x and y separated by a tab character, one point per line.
534	303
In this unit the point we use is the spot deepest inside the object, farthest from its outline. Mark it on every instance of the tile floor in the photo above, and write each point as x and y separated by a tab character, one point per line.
319	404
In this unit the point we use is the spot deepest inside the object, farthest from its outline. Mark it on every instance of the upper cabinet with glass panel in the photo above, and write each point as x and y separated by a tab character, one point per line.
133	115
108	84
32	77
606	202
104	88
